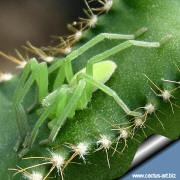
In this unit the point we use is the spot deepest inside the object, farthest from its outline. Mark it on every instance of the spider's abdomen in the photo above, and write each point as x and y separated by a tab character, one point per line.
102	71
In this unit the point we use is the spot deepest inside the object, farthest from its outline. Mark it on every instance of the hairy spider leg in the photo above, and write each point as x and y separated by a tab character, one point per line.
40	75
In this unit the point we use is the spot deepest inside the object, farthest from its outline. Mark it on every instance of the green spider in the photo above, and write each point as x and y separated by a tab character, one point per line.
65	99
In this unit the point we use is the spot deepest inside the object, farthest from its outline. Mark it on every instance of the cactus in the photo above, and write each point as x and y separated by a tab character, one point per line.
138	80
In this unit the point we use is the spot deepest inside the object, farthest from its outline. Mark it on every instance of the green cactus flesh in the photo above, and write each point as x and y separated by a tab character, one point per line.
161	17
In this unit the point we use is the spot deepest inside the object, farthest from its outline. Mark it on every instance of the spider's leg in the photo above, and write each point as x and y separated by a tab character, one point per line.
35	129
60	77
20	134
68	71
123	46
126	45
65	71
17	100
68	108
40	74
61	103
34	104
109	91
24	118
92	43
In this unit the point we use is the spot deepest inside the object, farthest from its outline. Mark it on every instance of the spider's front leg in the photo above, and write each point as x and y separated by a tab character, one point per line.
32	71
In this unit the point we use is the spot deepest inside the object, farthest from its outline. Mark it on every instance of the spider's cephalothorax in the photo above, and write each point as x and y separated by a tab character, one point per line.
62	102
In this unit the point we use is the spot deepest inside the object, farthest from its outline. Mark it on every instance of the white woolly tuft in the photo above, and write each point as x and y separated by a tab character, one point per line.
78	35
166	95
92	22
138	122
67	50
108	5
124	134
34	176
82	149
5	77
150	108
104	142
57	160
